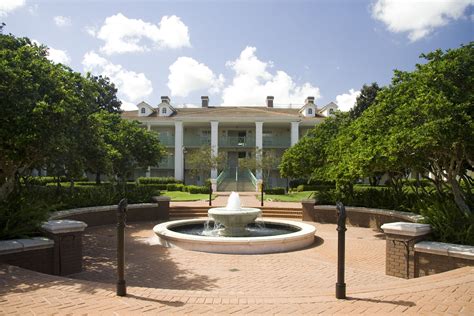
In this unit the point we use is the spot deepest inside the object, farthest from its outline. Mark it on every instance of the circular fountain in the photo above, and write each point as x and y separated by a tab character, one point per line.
235	229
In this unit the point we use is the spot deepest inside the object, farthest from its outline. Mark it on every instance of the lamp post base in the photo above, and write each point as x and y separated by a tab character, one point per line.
121	288
340	290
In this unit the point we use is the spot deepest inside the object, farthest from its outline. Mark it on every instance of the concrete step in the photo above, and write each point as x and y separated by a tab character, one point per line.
193	212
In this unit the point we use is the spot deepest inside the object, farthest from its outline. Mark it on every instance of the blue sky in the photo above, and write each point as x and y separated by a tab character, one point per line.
238	52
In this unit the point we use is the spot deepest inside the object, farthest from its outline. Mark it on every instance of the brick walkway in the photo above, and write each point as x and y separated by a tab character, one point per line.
174	281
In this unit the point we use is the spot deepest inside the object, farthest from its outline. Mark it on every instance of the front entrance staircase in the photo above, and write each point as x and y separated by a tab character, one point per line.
234	179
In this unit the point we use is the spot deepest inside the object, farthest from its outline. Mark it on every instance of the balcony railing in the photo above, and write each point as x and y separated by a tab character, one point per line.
196	141
166	140
236	141
276	142
166	164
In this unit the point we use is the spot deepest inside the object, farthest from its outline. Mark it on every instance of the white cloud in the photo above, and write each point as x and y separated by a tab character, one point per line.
124	35
418	17
346	101
91	30
132	87
62	21
253	82
33	9
188	75
58	56
7	6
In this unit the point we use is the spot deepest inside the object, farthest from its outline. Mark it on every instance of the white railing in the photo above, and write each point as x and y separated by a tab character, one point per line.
221	176
252	178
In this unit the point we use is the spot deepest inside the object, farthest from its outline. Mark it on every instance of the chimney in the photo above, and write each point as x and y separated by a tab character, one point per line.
309	100
165	99
270	101
205	101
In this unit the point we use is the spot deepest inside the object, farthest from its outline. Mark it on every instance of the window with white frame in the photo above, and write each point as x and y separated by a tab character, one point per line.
163	110
143	110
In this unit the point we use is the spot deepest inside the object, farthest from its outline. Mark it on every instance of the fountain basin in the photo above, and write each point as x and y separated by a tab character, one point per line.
302	237
234	221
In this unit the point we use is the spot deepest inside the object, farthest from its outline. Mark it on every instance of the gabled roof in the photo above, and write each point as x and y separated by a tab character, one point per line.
329	105
231	112
143	103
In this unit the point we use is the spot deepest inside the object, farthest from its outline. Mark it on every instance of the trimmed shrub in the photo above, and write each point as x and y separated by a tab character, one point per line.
276	190
157	180
195	189
174	187
314	187
297	182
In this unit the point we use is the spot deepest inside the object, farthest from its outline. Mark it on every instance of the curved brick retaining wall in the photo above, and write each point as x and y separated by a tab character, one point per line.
356	216
105	215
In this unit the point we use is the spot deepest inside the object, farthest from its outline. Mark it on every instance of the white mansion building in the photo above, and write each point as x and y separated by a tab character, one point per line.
239	132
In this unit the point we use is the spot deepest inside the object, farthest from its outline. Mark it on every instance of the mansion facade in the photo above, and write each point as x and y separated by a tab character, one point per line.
238	132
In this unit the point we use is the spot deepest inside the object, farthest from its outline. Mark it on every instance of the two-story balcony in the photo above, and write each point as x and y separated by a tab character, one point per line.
236	141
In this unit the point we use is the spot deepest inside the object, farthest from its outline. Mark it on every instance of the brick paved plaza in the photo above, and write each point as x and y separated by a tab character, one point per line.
174	281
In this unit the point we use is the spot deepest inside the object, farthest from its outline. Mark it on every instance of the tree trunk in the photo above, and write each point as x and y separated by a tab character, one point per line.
459	198
97	177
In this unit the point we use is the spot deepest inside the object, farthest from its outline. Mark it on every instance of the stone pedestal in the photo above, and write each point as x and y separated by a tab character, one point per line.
401	238
308	210
163	207
67	237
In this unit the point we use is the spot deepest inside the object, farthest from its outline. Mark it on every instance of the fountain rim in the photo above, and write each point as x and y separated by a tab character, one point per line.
226	211
163	231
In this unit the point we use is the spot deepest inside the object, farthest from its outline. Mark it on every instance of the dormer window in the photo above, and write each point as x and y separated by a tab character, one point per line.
163	110
331	111
143	110
310	111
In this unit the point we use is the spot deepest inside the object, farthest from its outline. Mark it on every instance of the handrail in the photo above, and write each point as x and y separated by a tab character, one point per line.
221	176
252	178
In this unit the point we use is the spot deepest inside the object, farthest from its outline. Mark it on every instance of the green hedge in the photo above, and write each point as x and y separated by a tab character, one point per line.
275	190
175	187
195	189
313	187
157	180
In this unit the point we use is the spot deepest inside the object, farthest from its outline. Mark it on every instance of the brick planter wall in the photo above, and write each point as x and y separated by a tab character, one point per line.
356	216
106	215
436	257
34	254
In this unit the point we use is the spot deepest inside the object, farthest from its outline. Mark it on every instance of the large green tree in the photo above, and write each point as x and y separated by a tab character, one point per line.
422	123
40	106
128	146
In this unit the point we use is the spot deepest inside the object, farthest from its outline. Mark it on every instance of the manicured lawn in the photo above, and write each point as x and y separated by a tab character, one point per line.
291	197
177	196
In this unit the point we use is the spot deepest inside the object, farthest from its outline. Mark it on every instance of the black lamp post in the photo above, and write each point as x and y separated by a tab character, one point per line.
184	165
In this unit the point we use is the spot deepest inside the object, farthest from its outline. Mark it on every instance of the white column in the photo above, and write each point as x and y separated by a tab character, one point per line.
148	169
178	150
259	146
214	145
295	135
